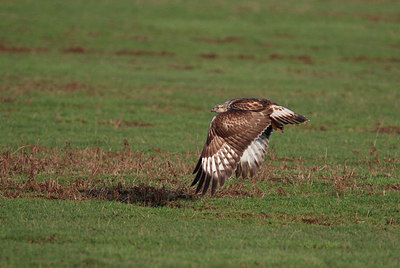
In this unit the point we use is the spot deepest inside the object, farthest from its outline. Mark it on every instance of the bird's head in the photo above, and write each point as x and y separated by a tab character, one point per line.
221	108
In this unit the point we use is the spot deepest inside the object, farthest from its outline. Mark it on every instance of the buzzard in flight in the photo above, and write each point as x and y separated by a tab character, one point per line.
238	140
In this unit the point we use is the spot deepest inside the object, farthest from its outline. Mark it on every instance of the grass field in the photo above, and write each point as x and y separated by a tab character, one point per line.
104	109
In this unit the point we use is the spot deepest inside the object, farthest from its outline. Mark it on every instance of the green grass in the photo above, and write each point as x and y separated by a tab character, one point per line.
98	233
336	62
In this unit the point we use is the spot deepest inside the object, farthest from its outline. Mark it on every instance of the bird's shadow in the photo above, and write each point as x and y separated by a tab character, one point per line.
145	195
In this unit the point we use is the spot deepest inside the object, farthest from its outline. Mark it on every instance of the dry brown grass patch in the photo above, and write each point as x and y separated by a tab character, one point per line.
164	178
226	40
75	49
121	123
79	174
24	87
144	53
12	49
391	130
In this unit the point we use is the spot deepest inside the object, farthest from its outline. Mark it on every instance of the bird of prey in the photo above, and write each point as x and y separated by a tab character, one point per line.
238	140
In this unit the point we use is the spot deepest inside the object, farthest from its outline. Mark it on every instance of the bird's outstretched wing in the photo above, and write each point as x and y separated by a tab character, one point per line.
230	135
238	140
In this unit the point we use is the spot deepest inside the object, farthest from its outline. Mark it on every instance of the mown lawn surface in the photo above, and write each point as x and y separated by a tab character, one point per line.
104	107
98	233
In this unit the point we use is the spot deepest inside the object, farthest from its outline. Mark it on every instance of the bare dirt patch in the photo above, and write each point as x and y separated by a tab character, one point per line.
248	57
82	121
42	240
390	130
226	40
121	123
377	18
144	53
319	221
305	59
213	56
82	50
276	56
74	86
75	49
8	100
210	56
302	58
373	60
11	49
244	57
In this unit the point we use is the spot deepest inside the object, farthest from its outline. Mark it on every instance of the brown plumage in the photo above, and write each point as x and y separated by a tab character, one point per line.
238	140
